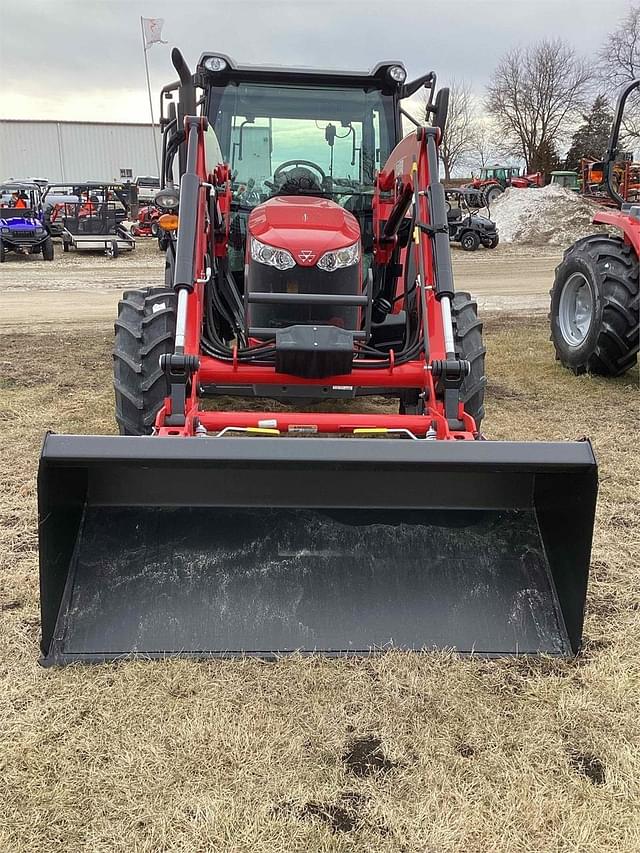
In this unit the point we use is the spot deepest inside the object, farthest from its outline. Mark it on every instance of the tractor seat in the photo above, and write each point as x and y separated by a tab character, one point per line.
454	215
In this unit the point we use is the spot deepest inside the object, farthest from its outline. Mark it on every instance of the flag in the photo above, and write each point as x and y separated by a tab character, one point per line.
152	29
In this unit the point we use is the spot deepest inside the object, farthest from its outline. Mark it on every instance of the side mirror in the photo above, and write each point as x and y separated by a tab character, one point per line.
441	109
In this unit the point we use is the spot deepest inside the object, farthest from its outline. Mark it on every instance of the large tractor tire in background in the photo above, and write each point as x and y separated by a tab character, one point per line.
467	336
145	330
492	193
595	303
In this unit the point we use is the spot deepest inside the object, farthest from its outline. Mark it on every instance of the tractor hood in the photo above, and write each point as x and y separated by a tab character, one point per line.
306	226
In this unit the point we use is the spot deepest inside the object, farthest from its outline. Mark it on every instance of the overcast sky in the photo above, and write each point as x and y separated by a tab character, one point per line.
82	59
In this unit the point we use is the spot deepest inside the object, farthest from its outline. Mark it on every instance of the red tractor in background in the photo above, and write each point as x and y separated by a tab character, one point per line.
595	299
494	180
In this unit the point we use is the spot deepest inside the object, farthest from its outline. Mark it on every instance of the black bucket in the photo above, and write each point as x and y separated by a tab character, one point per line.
158	547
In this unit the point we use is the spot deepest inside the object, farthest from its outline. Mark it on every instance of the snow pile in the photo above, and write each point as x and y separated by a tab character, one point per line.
545	216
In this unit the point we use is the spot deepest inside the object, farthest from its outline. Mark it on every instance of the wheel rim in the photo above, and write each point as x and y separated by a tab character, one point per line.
575	311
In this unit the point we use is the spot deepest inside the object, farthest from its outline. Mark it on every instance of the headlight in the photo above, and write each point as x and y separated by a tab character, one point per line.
167	199
4	230
215	63
341	258
272	257
397	73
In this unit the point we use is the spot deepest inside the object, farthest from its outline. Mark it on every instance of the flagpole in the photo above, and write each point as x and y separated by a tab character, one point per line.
153	125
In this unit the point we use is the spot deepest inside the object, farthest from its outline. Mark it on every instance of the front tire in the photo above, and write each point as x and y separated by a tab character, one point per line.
47	249
469	345
469	241
491	242
3	252
595	306
145	330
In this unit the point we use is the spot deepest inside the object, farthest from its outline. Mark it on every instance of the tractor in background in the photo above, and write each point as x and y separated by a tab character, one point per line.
567	180
494	180
595	298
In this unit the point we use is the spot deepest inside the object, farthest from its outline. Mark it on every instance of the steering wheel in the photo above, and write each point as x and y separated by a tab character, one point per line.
280	176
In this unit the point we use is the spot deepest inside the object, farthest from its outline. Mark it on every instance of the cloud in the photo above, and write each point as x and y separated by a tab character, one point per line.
82	59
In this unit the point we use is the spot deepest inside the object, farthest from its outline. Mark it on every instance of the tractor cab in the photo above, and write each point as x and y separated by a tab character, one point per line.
568	180
303	151
501	174
320	136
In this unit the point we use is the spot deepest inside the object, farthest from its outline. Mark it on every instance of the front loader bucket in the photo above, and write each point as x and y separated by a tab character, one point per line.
157	547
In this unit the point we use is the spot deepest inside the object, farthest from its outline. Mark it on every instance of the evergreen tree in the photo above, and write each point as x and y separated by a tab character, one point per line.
591	138
545	158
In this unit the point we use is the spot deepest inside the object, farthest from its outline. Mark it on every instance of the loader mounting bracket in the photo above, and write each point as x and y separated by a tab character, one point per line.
449	375
179	369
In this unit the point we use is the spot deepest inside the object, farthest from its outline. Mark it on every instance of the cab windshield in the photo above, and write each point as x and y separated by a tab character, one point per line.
296	140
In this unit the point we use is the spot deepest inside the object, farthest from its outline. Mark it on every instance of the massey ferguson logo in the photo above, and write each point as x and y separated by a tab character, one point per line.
306	256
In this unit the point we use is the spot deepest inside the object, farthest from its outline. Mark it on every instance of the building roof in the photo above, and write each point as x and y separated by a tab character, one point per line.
72	121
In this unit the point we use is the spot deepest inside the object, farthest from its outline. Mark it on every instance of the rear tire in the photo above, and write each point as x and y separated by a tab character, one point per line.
467	336
491	194
112	250
65	245
145	330
595	303
47	249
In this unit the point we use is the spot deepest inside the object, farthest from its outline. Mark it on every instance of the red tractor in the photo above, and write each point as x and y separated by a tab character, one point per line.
595	299
314	273
494	180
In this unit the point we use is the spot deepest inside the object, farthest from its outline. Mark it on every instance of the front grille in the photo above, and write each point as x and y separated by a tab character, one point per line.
303	280
22	234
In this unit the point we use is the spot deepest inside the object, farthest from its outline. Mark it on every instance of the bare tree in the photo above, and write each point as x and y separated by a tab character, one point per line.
484	149
534	96
457	141
620	64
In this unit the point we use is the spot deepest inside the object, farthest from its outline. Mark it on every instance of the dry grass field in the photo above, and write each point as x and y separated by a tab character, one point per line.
413	753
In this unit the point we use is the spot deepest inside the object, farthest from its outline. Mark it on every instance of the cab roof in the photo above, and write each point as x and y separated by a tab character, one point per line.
376	78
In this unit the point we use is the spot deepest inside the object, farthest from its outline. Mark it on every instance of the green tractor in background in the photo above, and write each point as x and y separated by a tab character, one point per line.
568	180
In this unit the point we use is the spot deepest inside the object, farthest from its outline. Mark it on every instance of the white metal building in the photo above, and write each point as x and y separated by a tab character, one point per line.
67	151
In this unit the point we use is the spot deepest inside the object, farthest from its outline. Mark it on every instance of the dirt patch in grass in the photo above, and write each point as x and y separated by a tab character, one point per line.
589	766
365	757
519	756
